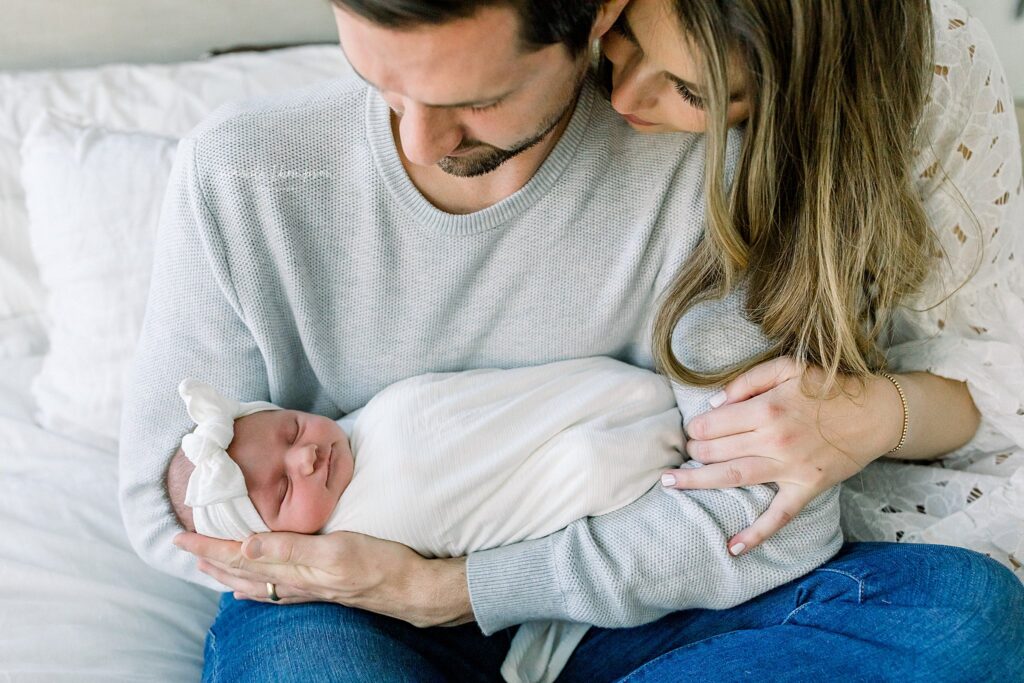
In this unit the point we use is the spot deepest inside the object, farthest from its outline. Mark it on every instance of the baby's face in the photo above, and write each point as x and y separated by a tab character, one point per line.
296	466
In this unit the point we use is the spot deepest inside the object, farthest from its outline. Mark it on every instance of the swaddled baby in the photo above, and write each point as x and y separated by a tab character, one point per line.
446	464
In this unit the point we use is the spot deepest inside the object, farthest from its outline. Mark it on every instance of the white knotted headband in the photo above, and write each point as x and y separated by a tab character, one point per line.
216	491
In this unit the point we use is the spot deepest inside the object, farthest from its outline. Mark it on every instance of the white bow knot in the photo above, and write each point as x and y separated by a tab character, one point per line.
216	491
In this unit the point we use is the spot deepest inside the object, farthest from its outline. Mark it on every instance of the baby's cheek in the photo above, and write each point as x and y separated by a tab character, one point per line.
313	516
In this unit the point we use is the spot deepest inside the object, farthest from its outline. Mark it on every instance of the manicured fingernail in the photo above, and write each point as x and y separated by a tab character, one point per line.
738	548
176	541
718	399
668	479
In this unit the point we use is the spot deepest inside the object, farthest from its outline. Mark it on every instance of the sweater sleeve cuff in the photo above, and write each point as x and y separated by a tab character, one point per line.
514	584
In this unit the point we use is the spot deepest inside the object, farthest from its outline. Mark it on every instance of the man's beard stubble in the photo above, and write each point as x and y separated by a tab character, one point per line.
489	158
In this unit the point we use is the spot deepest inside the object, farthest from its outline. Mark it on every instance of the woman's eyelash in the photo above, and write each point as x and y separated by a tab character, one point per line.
688	96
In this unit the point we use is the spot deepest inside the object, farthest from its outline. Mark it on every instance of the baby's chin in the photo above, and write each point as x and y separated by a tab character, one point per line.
305	527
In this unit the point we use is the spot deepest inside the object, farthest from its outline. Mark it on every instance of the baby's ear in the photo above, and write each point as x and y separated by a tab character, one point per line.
178	472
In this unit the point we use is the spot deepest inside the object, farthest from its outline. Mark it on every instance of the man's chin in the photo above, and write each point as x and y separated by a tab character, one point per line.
473	165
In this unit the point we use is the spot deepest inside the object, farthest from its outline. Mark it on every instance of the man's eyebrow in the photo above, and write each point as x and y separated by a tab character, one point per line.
457	105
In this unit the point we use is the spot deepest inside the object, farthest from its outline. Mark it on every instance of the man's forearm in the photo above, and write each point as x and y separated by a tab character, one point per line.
190	330
663	553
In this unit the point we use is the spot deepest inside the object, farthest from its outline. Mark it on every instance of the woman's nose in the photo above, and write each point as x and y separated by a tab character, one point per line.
633	92
428	134
302	460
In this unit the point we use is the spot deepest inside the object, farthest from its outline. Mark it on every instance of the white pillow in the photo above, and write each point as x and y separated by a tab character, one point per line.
167	99
94	200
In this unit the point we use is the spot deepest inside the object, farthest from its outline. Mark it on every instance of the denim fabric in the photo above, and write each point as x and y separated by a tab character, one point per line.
876	612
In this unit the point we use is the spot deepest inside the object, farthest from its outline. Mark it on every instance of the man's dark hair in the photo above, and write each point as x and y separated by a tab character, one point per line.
543	22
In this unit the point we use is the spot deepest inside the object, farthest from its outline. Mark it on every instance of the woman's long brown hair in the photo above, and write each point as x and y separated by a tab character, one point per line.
821	222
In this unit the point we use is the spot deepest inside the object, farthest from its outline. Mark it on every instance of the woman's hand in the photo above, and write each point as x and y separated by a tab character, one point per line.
342	567
765	429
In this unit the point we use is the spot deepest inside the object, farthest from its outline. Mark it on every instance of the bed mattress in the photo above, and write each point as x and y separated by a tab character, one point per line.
77	603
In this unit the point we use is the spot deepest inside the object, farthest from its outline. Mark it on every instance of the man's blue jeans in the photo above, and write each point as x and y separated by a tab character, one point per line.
876	612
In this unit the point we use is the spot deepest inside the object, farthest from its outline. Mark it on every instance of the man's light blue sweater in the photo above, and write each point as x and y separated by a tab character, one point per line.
297	263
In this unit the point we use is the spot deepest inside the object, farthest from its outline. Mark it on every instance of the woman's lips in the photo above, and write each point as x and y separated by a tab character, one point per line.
636	120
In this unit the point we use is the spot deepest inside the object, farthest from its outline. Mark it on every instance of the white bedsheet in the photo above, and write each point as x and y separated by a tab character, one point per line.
76	604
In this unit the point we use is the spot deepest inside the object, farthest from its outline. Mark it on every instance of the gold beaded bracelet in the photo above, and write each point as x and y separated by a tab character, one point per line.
906	412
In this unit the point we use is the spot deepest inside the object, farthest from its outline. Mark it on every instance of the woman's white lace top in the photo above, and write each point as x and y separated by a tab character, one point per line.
969	174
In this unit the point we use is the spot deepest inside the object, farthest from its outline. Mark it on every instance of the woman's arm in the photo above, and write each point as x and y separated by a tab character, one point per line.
966	324
941	416
770	425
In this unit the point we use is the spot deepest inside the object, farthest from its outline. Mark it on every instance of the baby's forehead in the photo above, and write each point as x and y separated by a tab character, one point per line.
262	421
264	431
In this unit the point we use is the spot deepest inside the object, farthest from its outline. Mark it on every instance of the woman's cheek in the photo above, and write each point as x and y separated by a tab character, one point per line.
682	117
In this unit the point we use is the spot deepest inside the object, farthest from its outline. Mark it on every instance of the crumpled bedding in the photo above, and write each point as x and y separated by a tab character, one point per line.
77	604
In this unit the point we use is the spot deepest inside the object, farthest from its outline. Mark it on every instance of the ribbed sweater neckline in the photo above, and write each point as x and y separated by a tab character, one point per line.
401	187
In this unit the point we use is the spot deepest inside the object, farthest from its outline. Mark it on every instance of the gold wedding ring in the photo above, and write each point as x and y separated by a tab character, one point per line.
272	592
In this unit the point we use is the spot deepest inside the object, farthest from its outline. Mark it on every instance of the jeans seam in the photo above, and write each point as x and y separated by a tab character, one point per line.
858	580
214	674
794	613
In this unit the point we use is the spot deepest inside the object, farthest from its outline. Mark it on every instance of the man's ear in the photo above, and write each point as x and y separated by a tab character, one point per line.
606	16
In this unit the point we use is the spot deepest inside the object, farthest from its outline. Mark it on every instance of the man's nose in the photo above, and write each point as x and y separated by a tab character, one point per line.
302	460
428	134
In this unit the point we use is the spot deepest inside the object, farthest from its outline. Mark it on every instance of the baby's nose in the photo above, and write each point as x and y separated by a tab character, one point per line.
304	460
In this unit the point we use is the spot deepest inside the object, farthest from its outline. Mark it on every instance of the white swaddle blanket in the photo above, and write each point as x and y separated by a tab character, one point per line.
452	463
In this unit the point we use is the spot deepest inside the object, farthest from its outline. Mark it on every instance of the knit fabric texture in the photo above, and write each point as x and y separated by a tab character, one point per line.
297	263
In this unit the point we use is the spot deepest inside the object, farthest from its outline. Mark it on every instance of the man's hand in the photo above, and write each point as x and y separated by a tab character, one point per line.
342	567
